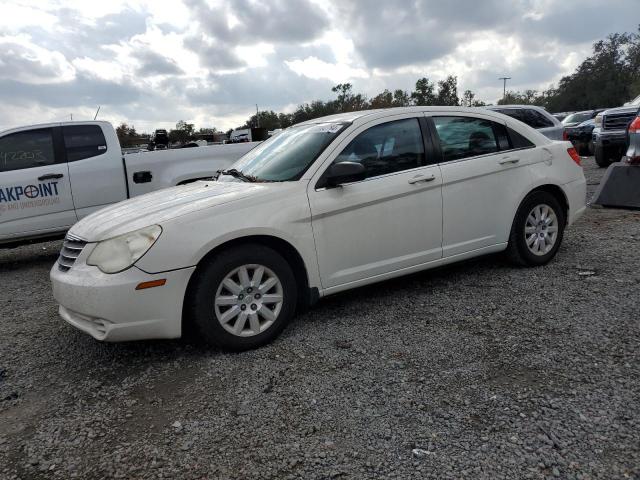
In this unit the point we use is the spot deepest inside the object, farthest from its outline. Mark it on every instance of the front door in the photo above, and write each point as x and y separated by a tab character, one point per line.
390	221
35	193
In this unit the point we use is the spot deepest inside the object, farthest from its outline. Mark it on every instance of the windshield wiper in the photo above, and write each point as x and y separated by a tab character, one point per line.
237	174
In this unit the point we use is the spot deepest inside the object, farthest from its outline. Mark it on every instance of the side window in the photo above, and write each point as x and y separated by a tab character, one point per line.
536	119
518	141
83	141
462	137
387	148
28	149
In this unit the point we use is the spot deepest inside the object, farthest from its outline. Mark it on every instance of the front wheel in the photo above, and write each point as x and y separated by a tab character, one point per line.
602	157
242	298
537	230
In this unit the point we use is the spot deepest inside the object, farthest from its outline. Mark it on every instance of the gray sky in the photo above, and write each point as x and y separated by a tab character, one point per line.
152	63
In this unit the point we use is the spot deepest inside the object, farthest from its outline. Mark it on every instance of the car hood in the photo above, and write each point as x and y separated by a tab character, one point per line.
163	205
620	110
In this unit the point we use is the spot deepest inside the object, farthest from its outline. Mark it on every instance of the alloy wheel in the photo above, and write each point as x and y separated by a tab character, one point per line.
248	300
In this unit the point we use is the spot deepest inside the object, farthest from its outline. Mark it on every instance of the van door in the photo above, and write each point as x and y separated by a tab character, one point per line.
35	193
96	172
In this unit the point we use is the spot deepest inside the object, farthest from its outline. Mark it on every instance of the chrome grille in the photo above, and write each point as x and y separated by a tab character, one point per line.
618	121
71	249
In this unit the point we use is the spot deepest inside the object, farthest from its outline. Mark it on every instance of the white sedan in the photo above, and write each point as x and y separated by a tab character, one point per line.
324	206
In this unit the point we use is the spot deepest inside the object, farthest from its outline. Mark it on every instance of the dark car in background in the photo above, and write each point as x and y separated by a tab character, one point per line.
534	116
580	136
610	135
577	118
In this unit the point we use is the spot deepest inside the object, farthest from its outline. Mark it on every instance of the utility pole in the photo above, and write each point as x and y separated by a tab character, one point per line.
504	86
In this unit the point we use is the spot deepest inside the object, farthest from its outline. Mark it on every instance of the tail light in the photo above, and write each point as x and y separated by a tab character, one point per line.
574	155
565	135
635	125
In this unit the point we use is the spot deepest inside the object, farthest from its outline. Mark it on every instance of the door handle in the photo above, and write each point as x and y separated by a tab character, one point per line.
142	177
50	176
422	178
508	160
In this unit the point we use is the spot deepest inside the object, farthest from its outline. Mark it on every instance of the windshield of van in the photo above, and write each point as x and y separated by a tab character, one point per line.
287	155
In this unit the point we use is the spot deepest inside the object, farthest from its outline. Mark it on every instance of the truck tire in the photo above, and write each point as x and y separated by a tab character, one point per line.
602	156
242	298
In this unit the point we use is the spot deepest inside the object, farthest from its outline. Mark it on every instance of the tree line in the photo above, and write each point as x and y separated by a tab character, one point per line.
609	77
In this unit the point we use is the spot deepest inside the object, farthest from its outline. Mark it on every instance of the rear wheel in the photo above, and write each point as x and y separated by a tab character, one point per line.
242	298
537	230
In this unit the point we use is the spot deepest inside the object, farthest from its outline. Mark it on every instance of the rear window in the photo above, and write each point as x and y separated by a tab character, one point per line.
531	117
28	149
83	141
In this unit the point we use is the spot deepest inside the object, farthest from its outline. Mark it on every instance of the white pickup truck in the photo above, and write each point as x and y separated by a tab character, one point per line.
52	175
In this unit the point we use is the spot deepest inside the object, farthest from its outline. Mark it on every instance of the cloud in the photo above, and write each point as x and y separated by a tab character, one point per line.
213	60
152	63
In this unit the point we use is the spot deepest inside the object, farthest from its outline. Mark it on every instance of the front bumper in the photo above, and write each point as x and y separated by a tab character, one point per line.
609	138
109	308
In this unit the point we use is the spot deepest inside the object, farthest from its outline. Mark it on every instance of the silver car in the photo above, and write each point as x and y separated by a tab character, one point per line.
535	117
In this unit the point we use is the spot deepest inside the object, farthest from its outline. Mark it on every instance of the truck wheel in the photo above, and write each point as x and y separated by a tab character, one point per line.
602	157
537	230
243	298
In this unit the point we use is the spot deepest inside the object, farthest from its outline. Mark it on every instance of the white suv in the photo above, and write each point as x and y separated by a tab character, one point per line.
324	206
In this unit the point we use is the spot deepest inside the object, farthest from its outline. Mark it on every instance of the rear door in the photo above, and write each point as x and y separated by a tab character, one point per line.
96	171
483	177
35	193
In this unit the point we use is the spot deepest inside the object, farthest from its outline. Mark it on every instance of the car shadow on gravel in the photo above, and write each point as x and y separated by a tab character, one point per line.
21	258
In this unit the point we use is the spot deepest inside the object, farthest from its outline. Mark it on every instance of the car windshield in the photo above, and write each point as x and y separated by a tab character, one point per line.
577	117
635	102
287	155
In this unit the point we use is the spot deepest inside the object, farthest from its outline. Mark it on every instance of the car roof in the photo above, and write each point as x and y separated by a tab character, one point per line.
53	124
367	115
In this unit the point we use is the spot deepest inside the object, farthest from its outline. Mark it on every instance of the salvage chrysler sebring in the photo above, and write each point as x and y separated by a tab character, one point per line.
324	206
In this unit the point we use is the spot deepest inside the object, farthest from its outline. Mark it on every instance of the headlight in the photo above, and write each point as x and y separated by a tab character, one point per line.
119	253
598	121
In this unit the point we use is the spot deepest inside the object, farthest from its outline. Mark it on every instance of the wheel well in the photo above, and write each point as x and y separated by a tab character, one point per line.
306	296
557	192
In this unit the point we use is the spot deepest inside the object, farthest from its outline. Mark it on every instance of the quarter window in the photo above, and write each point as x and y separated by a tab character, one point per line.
518	141
462	137
387	148
83	141
28	149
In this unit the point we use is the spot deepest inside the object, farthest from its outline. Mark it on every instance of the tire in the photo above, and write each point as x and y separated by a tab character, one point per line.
240	318
602	157
518	250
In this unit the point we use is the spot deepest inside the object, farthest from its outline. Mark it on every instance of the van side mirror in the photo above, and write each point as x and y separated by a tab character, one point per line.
344	172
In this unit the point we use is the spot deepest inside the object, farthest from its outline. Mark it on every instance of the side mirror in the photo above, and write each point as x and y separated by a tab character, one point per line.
344	172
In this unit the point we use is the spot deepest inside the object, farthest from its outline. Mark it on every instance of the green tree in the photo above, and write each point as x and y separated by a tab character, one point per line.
382	100
401	98
424	93
127	135
448	92
182	133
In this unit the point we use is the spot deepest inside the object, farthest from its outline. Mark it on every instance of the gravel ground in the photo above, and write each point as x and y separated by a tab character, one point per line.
478	370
